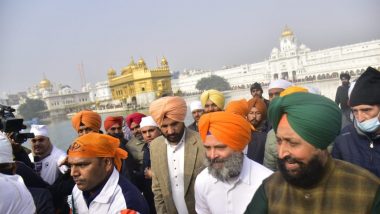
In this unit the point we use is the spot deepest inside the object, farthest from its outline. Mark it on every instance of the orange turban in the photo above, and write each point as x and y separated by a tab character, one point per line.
110	121
259	104
239	107
93	145
171	107
229	128
88	118
134	117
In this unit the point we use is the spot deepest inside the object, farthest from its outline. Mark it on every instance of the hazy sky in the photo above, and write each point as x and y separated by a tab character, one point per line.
53	37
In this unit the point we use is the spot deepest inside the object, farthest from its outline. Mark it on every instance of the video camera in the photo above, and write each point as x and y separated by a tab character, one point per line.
10	124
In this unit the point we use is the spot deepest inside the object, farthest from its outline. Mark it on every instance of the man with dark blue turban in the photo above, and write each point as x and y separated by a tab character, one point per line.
309	180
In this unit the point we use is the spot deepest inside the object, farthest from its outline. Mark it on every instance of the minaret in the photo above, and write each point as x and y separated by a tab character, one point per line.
287	40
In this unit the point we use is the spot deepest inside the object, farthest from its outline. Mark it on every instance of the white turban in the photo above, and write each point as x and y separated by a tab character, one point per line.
6	155
280	84
39	130
195	105
147	121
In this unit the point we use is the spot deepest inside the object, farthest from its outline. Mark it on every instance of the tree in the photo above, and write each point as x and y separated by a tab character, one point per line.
31	108
213	82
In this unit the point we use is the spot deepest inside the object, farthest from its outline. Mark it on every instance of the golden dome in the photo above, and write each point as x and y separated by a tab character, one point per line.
164	61
45	83
141	62
111	72
287	32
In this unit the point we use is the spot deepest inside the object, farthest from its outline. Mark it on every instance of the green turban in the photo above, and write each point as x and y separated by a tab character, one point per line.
315	118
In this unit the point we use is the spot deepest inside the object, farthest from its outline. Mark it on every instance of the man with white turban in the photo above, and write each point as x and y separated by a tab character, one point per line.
45	155
14	196
176	157
196	111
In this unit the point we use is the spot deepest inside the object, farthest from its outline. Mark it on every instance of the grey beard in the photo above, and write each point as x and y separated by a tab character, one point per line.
231	169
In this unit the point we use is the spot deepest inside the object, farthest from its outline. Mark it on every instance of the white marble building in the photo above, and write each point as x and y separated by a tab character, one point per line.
99	92
296	63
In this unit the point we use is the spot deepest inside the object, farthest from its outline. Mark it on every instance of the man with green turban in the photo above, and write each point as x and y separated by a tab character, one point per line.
309	180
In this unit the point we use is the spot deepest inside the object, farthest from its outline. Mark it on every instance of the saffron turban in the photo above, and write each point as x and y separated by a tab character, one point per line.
259	104
215	96
88	118
315	118
172	107
239	107
229	128
110	121
134	117
95	145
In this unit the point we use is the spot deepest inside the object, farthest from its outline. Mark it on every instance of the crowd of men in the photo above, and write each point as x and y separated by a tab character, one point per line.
288	154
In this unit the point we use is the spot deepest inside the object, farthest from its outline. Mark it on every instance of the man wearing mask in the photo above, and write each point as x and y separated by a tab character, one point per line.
359	143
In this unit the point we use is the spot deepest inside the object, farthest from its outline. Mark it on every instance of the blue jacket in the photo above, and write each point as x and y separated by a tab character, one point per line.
355	147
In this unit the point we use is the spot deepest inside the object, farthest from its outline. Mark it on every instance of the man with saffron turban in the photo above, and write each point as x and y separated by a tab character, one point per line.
99	187
212	100
309	180
176	157
257	118
86	121
230	179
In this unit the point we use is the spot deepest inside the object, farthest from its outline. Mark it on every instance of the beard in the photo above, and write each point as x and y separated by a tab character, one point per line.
119	136
231	166
307	176
175	137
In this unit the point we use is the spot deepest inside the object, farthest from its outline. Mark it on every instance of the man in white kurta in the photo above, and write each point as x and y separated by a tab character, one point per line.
45	156
231	179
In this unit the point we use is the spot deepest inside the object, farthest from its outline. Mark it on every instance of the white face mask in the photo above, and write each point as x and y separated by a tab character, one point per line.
370	125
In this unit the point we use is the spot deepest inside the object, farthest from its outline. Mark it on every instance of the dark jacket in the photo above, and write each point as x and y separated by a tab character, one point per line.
341	97
355	147
193	126
256	147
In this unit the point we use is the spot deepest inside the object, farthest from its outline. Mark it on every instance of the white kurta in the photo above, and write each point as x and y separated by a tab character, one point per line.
14	196
213	196
50	170
176	165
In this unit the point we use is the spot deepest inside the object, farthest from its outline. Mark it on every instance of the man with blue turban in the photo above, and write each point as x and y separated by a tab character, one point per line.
309	180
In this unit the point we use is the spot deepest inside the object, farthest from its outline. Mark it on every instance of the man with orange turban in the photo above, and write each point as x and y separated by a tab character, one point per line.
99	187
212	100
86	121
176	157
257	117
231	179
